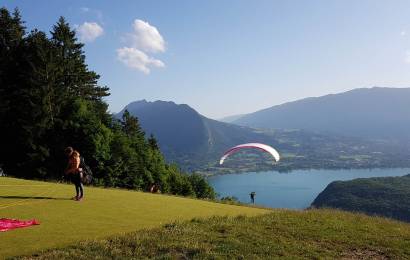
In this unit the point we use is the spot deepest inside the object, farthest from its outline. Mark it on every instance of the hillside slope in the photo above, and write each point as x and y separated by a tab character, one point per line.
383	196
188	138
176	126
181	129
196	143
367	112
104	212
313	234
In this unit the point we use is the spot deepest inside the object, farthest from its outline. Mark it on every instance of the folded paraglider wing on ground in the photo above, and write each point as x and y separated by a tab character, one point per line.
8	224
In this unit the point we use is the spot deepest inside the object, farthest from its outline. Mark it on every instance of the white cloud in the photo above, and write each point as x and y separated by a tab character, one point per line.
407	57
85	9
146	37
137	59
89	31
403	33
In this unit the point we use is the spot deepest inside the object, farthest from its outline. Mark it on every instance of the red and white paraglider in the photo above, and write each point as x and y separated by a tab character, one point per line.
263	147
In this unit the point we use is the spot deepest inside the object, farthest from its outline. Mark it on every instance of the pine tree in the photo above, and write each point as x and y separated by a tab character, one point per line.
152	142
75	78
12	31
131	125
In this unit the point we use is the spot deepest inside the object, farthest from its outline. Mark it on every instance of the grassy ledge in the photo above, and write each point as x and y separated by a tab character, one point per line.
310	234
103	213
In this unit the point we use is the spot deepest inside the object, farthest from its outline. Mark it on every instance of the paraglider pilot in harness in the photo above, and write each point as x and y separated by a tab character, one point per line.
252	194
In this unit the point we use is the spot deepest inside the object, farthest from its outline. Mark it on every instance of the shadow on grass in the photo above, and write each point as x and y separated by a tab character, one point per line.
33	198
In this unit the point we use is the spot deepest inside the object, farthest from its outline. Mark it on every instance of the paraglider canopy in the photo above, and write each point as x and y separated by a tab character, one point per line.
263	147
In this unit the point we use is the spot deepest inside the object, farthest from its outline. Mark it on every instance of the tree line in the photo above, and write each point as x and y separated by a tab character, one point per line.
50	99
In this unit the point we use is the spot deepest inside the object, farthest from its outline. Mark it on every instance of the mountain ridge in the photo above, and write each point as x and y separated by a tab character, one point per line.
196	143
377	112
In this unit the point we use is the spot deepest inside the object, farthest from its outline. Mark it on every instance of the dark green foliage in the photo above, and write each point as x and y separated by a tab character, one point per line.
201	187
75	76
49	100
179	184
153	142
231	200
384	196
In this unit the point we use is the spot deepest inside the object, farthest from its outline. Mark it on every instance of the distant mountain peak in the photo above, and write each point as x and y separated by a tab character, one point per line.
135	104
155	105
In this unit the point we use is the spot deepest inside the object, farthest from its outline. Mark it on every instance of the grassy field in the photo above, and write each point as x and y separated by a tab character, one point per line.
119	224
311	234
103	213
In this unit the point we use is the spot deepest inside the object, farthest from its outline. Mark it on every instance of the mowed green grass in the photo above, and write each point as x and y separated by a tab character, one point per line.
104	212
288	234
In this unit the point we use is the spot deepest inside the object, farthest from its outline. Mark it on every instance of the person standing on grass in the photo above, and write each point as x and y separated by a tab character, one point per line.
74	171
252	194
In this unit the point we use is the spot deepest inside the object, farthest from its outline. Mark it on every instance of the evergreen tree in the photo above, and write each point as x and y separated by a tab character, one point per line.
12	31
131	125
77	80
153	143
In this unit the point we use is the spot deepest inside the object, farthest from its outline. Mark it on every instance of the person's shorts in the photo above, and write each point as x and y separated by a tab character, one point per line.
76	178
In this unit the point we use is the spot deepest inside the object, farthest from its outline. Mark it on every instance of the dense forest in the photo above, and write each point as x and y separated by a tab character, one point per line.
49	99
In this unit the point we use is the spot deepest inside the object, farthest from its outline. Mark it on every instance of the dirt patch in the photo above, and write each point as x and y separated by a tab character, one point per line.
365	254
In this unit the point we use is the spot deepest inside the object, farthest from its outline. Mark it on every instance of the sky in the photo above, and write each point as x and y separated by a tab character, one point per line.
228	57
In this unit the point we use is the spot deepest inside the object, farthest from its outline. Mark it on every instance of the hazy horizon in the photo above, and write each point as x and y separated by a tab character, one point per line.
249	112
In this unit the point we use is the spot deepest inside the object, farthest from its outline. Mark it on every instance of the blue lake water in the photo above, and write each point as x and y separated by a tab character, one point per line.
295	190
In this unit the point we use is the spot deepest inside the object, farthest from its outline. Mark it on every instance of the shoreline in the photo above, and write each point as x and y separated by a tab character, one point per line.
208	174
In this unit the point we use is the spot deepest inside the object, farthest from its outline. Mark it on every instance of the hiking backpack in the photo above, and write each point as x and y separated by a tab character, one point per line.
87	177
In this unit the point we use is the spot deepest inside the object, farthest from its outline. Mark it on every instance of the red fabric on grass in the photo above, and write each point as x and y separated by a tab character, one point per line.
8	224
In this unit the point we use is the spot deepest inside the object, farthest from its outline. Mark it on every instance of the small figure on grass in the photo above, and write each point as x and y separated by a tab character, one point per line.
252	194
74	172
155	188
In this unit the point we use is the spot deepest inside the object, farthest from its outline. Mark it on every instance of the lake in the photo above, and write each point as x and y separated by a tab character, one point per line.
295	190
